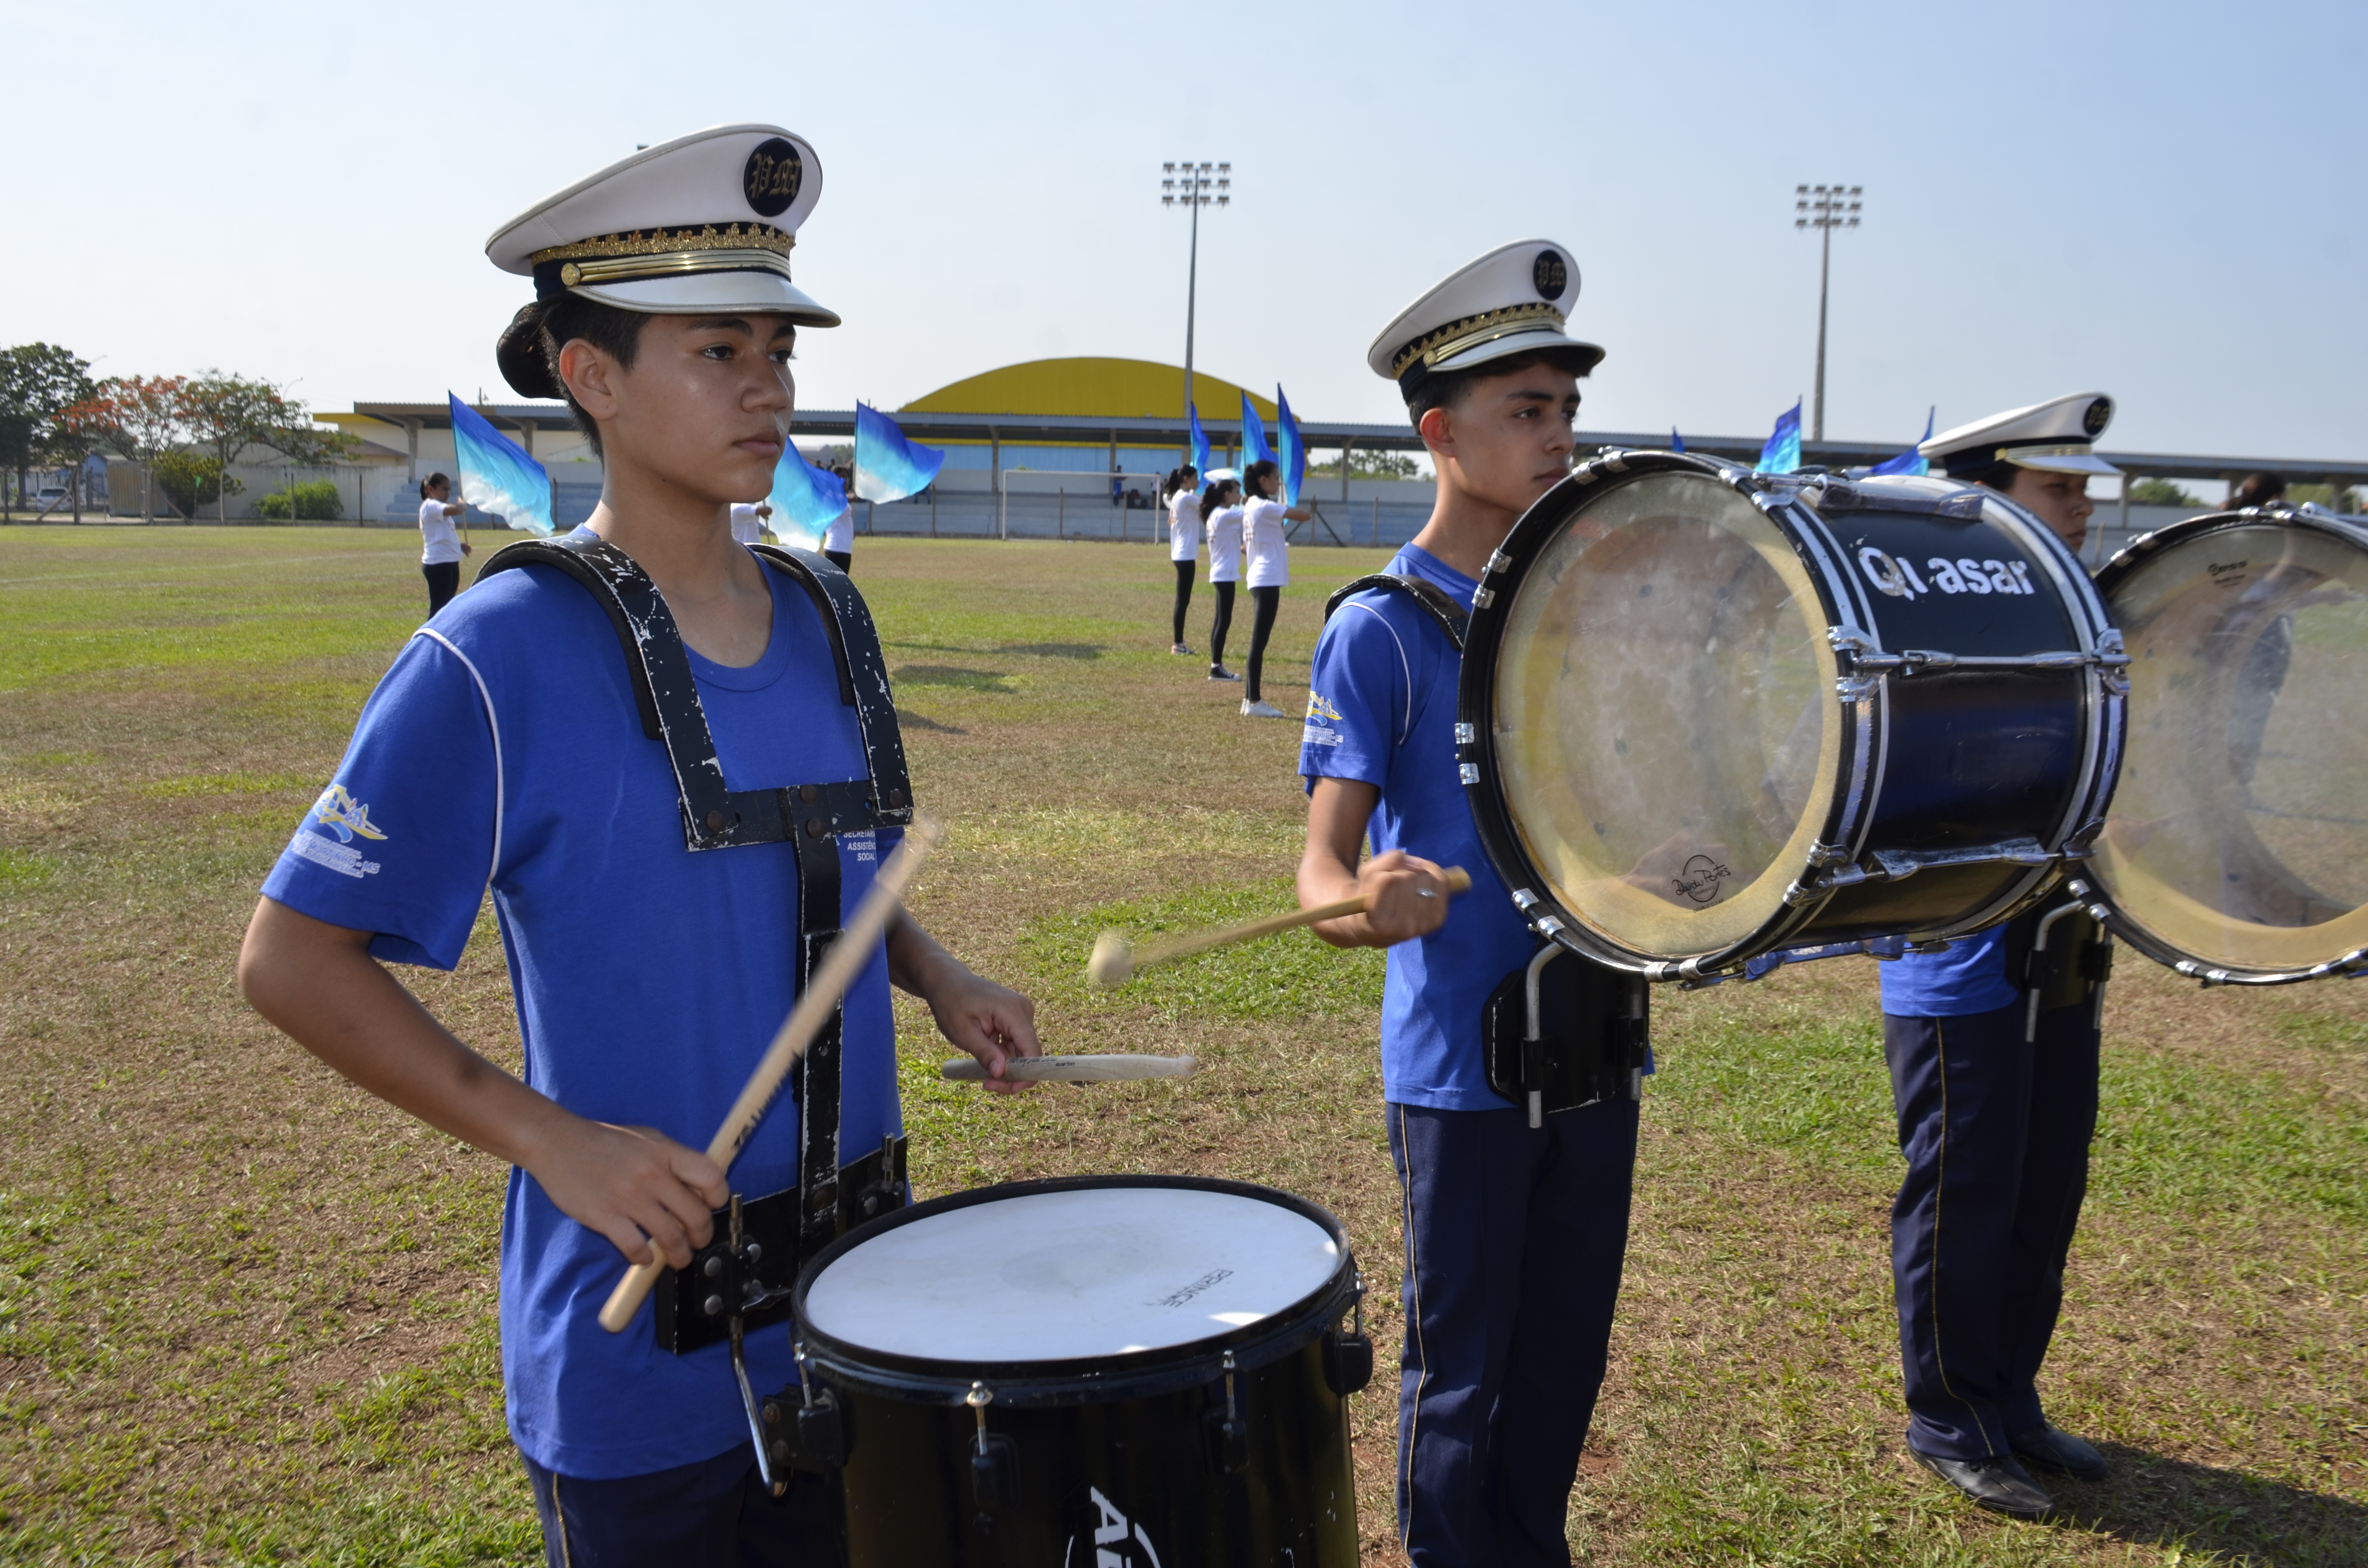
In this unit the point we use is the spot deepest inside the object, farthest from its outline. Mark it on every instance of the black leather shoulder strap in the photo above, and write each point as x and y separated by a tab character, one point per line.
713	815
862	670
1451	617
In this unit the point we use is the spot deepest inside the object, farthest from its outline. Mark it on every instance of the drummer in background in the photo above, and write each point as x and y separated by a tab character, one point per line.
1996	1114
1514	1236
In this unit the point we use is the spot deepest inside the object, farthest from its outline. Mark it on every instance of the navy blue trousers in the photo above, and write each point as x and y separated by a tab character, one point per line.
714	1514
1514	1239
1996	1130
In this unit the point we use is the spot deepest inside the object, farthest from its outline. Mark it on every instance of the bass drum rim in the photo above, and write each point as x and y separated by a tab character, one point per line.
2087	884
1086	1379
1476	708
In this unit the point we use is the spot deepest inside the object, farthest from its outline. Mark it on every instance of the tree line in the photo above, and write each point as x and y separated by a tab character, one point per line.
183	432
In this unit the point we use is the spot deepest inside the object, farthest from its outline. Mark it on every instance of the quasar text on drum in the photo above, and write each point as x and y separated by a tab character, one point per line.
1898	578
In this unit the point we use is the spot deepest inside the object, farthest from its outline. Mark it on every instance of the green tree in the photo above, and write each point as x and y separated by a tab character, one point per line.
138	416
1372	465
39	381
2161	493
189	480
228	414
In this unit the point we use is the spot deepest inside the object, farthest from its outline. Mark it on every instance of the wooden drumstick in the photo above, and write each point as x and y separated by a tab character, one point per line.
848	955
1115	959
1099	1068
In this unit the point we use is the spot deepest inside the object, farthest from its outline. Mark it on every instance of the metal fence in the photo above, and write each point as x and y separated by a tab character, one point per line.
1086	513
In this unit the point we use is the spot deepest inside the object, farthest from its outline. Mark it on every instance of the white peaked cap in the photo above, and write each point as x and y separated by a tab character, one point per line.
1512	300
695	226
2054	436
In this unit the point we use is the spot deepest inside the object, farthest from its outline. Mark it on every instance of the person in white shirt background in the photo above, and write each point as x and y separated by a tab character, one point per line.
1220	517
748	520
1264	522
441	545
1178	494
838	539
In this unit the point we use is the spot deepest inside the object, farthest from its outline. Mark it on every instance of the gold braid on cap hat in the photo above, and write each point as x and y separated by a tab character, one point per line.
613	259
1444	342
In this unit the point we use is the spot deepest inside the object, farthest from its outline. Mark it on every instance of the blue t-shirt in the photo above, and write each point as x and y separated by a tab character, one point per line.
504	745
1967	976
1381	708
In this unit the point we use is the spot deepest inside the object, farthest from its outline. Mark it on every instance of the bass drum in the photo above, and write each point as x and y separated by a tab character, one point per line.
1707	715
1088	1372
2236	849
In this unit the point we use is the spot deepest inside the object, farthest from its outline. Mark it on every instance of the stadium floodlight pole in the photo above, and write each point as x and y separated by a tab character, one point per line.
1824	208
1195	185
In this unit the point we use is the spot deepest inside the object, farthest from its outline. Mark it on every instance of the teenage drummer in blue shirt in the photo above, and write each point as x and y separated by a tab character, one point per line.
1993	1049
555	736
1514	1233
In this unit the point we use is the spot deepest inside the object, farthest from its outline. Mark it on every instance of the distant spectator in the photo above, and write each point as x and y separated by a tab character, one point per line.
440	546
2256	490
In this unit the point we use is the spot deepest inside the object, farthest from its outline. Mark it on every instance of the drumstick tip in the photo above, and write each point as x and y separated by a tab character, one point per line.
1113	961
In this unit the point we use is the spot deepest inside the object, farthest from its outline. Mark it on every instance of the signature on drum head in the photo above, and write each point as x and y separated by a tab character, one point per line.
1701	881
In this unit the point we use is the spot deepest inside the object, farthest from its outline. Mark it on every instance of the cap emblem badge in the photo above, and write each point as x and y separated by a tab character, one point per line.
2100	415
1550	274
771	177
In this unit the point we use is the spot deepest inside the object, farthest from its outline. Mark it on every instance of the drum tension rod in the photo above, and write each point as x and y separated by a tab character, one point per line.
821	1440
1229	1435
994	1458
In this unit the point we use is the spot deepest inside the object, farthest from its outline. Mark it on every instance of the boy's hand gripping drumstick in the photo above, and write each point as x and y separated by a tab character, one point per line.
1115	959
845	959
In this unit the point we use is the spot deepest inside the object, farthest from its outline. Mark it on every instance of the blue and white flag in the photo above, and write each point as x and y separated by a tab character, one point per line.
1676	442
1782	452
887	466
805	500
1911	461
496	476
1201	461
1294	451
1254	447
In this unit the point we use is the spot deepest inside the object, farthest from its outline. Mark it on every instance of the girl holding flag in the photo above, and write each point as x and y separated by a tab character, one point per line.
1180	492
1265	521
1220	514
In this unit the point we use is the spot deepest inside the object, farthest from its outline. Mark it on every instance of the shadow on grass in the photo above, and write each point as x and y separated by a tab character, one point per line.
2152	1500
1054	650
953	675
912	720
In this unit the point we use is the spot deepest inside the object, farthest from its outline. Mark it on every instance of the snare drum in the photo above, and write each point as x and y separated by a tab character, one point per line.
1128	1370
1707	714
2236	849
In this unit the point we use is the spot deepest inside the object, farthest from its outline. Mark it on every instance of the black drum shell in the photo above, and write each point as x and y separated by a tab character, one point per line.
1136	1428
1953	760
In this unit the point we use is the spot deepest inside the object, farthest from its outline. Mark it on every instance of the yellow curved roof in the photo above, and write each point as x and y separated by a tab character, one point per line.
1091	388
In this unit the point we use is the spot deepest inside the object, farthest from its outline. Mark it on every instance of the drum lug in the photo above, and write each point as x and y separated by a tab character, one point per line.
994	1458
1348	1357
1228	1433
1498	562
1483	597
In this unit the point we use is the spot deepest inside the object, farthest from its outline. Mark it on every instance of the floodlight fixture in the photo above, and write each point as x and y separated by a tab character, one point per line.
1824	208
1196	185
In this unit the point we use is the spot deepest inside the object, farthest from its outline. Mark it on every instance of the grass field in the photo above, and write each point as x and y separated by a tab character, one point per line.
246	1314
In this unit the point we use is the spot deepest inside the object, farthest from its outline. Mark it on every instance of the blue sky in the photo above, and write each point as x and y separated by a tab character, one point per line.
2162	200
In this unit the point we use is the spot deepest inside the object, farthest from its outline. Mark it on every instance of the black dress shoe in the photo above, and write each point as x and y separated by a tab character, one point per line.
2050	1448
1999	1484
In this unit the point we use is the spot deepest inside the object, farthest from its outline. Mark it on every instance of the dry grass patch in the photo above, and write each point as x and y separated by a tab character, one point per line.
247	1314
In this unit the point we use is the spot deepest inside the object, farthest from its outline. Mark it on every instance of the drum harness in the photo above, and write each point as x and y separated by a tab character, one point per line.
1555	1037
744	1279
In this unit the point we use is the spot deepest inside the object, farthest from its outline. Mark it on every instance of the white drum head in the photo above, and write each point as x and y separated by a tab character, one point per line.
1667	740
2238	837
1066	1276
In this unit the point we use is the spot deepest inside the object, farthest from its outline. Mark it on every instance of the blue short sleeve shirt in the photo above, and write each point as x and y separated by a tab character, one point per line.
1965	977
1381	708
504	749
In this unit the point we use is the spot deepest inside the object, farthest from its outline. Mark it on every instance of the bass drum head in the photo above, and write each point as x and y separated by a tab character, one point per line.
1667	741
2236	847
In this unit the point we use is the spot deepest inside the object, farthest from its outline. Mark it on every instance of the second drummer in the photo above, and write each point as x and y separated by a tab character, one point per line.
1992	1049
1515	1233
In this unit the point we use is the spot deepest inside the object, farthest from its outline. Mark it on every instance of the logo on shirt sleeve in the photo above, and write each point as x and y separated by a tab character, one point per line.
1321	717
347	818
